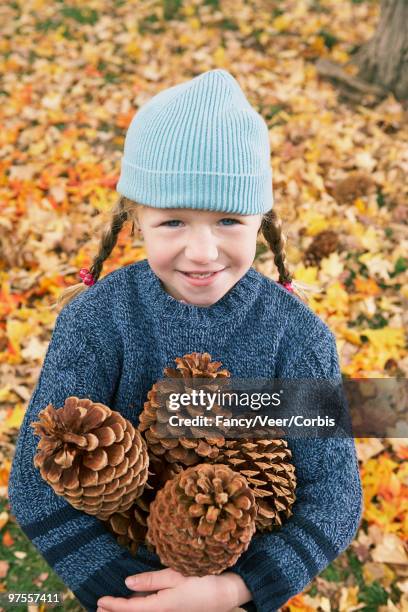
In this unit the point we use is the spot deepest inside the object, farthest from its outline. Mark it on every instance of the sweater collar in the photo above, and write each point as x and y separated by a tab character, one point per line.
235	303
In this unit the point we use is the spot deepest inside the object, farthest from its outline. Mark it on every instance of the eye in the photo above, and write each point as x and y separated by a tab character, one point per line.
229	219
171	221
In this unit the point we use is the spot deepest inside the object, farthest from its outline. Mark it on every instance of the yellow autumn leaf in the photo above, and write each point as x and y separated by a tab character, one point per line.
404	291
282	22
14	419
6	393
17	331
374	472
339	55
306	275
348	599
332	265
378	571
134	50
351	335
360	205
370	239
188	10
184	39
37	148
384	514
245	28
194	23
313	221
312	23
356	229
219	56
312	155
370	360
386	337
337	297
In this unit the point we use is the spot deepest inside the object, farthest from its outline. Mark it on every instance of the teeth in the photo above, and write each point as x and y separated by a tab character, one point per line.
201	275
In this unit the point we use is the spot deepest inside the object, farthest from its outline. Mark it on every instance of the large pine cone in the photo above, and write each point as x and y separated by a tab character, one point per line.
186	450
202	520
323	244
266	464
130	527
91	456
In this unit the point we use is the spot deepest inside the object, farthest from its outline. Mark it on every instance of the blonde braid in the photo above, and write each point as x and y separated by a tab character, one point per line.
120	214
271	228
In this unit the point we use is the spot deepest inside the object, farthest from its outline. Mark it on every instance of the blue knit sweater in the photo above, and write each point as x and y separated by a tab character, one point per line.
111	343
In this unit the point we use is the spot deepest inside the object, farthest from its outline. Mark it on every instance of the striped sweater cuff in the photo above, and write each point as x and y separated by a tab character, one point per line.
109	579
268	585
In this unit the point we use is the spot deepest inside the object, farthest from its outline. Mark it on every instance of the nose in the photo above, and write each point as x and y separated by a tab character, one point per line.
201	247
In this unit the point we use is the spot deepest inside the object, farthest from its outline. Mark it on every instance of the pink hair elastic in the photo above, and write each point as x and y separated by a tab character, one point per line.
86	276
288	286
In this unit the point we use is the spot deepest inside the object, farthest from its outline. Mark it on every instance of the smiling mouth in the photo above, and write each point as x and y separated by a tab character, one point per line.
201	274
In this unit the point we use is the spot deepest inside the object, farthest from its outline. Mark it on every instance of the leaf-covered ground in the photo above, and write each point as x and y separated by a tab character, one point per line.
73	74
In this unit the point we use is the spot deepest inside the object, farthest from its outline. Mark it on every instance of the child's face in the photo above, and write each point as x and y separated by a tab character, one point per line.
179	240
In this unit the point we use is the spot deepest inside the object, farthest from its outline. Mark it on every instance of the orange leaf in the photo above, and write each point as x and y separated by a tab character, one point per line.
4	476
390	488
4	568
298	604
368	286
7	539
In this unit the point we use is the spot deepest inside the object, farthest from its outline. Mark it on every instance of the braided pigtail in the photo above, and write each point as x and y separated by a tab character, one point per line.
271	228
119	215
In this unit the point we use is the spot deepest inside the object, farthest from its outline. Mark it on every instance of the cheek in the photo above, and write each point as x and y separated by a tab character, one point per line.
244	245
158	254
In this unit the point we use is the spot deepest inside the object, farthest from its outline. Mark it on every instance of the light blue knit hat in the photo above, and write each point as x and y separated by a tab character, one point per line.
199	145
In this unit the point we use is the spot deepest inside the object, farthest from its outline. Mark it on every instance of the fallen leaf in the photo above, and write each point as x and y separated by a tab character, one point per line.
368	448
20	554
7	539
4	568
390	550
4	517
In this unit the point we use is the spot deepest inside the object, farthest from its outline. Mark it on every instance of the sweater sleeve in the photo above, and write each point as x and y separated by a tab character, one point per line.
79	548
328	506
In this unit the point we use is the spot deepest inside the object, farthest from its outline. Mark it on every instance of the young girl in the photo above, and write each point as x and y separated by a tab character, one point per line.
196	179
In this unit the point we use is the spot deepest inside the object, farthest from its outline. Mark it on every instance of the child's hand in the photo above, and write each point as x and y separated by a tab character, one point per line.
174	592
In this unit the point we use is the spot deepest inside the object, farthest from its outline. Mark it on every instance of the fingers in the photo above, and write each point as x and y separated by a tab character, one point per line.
146	581
154	581
135	604
115	604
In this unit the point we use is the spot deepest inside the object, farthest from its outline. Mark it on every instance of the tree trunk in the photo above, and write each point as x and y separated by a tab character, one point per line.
382	61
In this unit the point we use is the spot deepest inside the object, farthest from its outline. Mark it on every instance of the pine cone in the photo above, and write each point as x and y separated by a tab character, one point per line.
187	450
355	185
202	520
127	529
323	244
130	527
266	464
91	456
